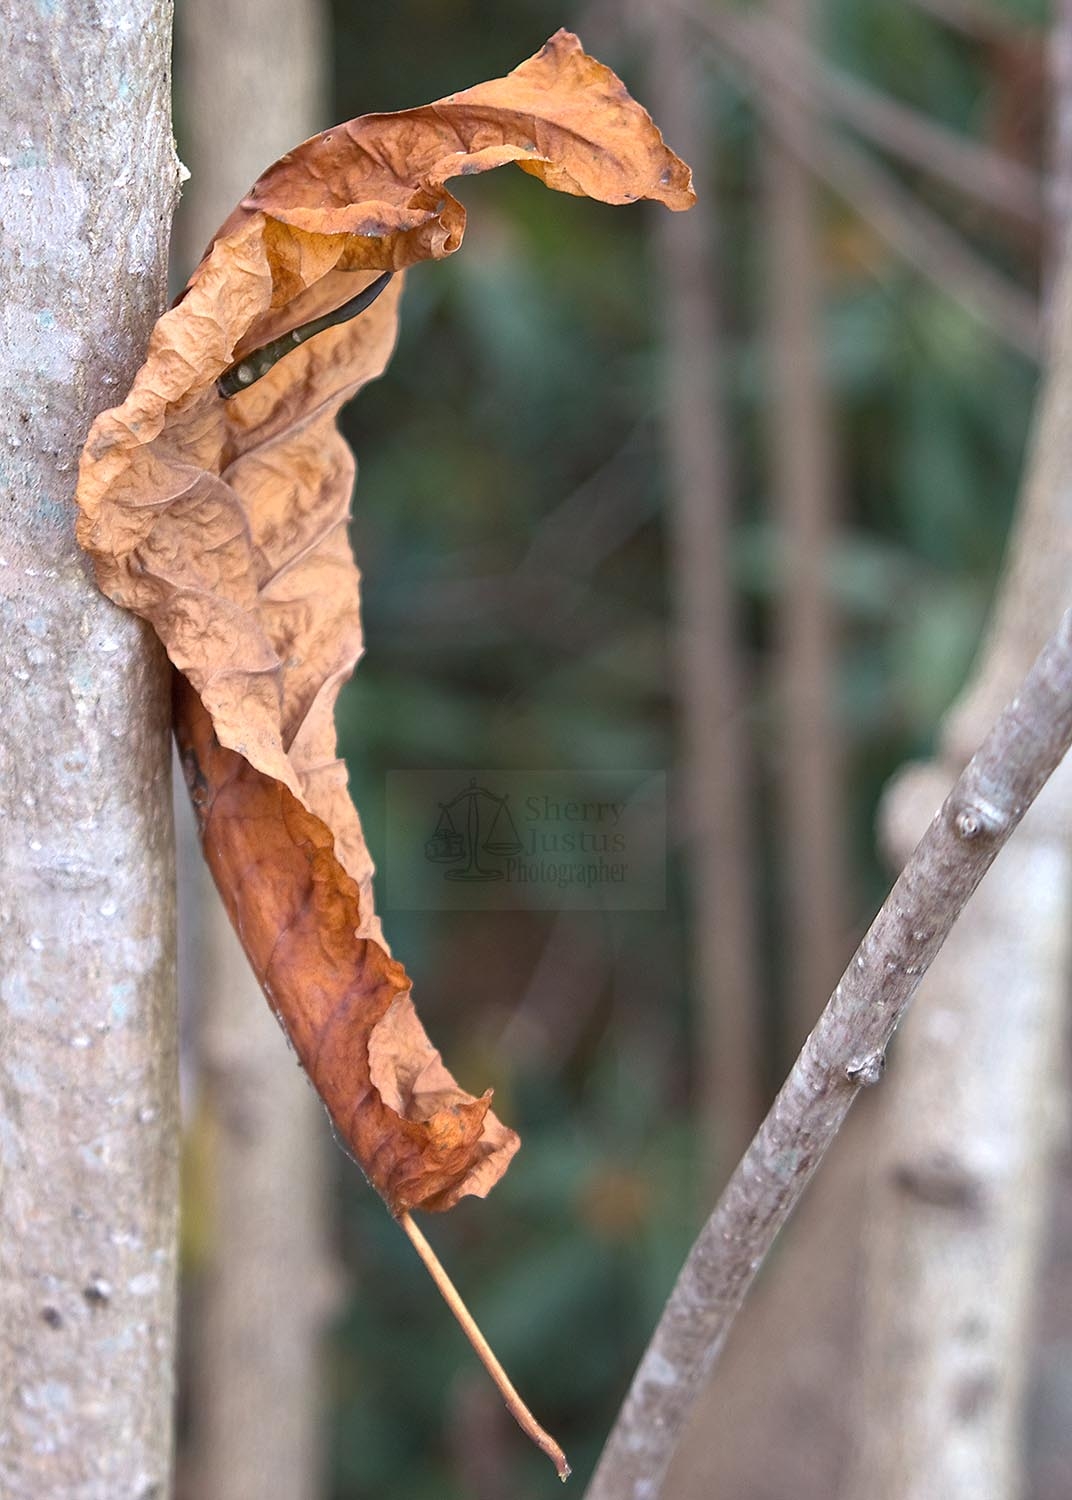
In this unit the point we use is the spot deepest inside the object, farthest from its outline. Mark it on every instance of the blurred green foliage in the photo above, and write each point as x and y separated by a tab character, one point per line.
510	522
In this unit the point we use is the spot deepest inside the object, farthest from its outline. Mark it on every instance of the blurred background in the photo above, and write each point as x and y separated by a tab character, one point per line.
723	495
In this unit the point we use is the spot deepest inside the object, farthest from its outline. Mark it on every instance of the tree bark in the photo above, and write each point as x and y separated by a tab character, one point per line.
845	1051
266	1283
958	1210
88	1119
713	751
811	816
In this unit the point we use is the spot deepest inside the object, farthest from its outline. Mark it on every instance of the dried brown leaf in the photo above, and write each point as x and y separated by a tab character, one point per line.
223	522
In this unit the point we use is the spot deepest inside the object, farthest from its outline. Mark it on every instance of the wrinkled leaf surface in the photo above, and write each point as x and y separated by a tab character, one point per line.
224	523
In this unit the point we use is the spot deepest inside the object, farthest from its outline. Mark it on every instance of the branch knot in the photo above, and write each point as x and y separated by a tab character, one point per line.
866	1071
977	818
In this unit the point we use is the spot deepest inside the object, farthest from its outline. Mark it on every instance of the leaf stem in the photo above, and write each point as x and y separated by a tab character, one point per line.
256	364
514	1404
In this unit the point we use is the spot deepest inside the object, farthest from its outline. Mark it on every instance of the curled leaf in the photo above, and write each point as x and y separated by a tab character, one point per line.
349	1016
224	523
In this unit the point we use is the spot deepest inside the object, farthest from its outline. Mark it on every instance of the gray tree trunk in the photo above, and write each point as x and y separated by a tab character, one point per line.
88	1129
958	1210
257	1315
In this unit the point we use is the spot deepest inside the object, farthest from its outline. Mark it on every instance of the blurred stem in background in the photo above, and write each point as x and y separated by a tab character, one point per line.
811	815
713	806
1060	57
260	1276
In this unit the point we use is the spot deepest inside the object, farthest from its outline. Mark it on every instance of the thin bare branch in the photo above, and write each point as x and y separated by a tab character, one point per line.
911	229
845	1051
969	1119
788	65
926	242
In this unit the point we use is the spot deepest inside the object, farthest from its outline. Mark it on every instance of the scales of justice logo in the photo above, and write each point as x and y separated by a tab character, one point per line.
488	828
